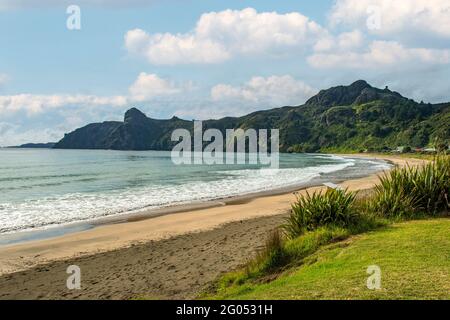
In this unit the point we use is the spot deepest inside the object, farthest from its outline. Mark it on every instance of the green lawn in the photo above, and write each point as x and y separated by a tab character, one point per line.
414	258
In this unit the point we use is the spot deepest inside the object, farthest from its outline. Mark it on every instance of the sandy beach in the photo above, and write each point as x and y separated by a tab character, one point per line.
169	256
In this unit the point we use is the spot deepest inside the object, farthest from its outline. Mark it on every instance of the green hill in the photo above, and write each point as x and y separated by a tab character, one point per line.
414	258
344	118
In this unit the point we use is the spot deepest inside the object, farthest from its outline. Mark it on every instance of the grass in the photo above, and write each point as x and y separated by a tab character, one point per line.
414	258
281	254
323	218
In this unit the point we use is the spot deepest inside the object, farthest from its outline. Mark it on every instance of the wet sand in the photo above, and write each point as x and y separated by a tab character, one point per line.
178	267
169	256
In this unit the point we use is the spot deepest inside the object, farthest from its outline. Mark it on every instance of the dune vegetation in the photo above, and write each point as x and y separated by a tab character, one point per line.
330	238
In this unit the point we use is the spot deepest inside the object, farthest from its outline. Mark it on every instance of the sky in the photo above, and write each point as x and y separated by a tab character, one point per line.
202	59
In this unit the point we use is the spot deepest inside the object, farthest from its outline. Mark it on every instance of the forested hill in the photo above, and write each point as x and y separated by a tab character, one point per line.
346	118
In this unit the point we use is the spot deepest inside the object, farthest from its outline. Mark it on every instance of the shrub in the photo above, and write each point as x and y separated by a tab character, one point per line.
430	184
392	195
334	207
406	192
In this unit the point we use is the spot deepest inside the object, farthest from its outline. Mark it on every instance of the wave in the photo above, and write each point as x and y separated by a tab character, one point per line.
76	207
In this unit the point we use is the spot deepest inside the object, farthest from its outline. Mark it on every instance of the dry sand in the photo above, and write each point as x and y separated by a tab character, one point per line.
169	256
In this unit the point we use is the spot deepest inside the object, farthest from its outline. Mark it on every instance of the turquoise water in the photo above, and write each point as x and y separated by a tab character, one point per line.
40	188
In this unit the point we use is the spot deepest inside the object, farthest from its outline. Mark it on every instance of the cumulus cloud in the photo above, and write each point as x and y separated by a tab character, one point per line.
145	88
275	90
174	49
380	54
218	36
33	103
148	86
411	16
344	41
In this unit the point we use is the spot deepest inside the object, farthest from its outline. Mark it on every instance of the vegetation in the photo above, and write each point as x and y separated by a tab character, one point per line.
310	212
321	219
280	254
422	156
407	192
350	118
414	258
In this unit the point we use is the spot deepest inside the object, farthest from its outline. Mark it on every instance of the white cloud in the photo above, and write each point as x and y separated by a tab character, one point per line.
396	16
344	41
32	103
275	90
148	86
380	54
145	88
218	36
350	40
174	49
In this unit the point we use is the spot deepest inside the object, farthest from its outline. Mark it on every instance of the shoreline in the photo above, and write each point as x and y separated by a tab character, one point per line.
53	231
132	231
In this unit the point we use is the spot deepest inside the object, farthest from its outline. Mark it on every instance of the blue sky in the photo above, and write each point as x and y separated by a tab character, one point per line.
207	59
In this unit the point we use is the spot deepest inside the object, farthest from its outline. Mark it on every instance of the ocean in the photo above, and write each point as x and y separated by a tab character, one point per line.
44	188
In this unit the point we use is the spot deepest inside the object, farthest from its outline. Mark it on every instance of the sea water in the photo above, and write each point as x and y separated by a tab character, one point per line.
41	188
